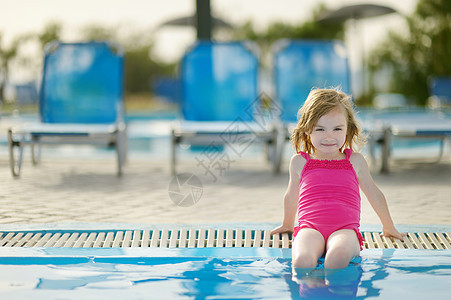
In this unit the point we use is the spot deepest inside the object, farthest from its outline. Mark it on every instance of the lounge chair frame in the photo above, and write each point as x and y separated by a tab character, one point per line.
211	129
60	132
428	125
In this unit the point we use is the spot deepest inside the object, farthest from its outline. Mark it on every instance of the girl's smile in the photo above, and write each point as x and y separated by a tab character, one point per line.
329	134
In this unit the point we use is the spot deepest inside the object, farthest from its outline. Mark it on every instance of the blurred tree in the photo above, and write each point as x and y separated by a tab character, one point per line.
141	69
51	32
309	30
11	53
422	53
6	55
95	32
140	66
312	29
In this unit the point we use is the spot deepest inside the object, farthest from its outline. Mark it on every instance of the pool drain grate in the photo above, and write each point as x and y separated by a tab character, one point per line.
200	238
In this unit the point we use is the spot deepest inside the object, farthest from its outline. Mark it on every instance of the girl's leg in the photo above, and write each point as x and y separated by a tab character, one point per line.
342	246
307	247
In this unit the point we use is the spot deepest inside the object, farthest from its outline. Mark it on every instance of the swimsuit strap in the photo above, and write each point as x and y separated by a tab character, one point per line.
304	155
348	153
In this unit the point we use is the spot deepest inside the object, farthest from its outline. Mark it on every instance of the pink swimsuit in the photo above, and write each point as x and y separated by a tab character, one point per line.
329	196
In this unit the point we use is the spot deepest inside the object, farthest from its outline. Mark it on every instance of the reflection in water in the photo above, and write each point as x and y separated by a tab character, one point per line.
329	284
388	274
378	271
358	281
236	278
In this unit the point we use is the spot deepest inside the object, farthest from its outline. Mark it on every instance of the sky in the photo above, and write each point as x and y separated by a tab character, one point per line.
25	16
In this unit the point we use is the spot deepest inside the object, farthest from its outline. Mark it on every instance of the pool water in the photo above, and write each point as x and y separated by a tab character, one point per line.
216	273
150	139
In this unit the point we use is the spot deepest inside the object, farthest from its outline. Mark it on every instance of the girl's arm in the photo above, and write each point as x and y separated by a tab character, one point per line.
290	200
374	196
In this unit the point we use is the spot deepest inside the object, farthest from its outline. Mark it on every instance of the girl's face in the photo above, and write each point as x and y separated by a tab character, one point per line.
329	134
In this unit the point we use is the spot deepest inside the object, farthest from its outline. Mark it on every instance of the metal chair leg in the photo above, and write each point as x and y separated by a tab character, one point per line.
119	144
279	142
12	144
35	150
386	151
442	147
372	151
174	141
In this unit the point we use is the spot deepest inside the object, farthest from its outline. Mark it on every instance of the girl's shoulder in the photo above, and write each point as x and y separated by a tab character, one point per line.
357	157
299	157
358	161
297	162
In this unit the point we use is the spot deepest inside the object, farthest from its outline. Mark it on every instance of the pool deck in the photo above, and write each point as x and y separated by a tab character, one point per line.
88	191
215	236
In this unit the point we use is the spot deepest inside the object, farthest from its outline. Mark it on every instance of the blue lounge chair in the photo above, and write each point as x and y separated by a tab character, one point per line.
385	125
399	121
403	122
299	66
440	90
81	101
220	100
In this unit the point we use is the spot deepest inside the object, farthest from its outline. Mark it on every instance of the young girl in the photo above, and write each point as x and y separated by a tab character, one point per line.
325	177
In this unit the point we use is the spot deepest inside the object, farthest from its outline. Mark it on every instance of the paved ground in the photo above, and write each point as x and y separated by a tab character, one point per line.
87	191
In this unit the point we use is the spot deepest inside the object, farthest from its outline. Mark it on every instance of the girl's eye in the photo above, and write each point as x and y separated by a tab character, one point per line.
338	129
319	129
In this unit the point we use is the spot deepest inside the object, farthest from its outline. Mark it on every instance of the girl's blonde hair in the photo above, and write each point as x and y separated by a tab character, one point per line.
319	103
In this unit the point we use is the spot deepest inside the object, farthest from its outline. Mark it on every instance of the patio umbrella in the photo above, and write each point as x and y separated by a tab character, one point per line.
356	12
192	21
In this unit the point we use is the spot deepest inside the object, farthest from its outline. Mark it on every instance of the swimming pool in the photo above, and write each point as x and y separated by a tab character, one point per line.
149	138
216	273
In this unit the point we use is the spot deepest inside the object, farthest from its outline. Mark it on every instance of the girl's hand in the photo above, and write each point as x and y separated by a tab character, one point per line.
282	229
392	232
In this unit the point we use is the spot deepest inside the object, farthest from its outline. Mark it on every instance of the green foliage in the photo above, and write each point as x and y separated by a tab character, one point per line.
277	31
52	32
412	58
312	29
419	55
140	66
96	32
7	54
308	30
141	69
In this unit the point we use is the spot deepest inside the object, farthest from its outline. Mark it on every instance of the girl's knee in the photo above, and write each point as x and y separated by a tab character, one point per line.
342	247
338	258
304	261
308	246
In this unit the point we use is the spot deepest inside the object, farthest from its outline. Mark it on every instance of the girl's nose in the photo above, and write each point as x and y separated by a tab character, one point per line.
329	134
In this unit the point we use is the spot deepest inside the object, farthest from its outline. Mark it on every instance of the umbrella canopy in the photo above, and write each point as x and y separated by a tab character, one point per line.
192	21
358	11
